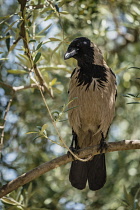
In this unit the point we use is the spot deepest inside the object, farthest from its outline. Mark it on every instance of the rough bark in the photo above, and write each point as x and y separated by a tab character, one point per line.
57	162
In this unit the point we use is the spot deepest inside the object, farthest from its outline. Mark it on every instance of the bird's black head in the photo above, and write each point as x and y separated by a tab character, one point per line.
80	49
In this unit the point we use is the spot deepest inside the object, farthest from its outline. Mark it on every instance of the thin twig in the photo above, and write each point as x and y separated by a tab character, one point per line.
22	87
115	17
40	6
54	124
6	85
3	127
57	162
19	88
16	41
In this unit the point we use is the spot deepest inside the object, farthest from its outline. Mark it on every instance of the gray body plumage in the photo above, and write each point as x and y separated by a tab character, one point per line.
95	108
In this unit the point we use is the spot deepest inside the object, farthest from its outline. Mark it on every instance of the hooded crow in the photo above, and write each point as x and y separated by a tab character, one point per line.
92	94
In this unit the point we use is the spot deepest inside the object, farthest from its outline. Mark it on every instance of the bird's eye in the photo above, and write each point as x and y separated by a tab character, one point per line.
78	45
84	42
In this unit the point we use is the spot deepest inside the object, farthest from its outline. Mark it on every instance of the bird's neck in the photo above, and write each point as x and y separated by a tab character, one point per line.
85	65
87	72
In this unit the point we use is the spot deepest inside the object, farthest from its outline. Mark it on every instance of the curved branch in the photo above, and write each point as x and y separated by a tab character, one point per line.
57	162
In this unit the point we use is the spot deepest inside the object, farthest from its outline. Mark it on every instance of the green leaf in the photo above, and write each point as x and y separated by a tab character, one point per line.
130	94
23	61
72	100
55	112
39	45
48	17
21	198
120	70
134	102
39	36
10	201
44	127
39	127
8	41
56	49
57	8
57	90
32	40
64	13
37	137
125	96
71	108
37	57
133	67
46	28
128	197
29	189
62	120
53	82
1	59
5	17
31	132
45	10
17	71
10	26
24	56
17	193
54	39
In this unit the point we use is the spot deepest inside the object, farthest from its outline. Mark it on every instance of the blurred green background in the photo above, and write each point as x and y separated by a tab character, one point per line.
50	27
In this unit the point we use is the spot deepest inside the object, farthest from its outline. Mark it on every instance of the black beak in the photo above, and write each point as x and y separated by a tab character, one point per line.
70	53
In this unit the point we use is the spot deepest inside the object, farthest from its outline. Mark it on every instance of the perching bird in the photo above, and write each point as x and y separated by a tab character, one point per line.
92	94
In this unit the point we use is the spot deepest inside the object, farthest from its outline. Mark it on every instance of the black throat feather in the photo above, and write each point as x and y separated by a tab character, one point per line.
89	72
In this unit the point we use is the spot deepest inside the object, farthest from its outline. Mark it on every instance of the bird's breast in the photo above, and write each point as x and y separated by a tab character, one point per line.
90	103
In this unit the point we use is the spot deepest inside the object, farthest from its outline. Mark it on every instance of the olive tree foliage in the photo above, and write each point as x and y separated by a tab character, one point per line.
34	36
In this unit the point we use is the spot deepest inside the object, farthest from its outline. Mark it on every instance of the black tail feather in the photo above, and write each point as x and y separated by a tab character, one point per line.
78	174
97	172
94	171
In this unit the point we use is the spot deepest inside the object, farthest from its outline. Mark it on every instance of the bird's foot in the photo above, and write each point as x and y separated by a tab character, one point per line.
103	146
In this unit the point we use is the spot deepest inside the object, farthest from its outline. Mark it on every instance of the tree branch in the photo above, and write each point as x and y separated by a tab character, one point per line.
27	50
22	87
3	127
6	85
18	88
57	162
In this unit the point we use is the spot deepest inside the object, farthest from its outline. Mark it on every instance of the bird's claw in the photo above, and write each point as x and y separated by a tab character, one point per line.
103	145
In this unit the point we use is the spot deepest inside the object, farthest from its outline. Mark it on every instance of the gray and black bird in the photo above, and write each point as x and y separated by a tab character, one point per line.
92	91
